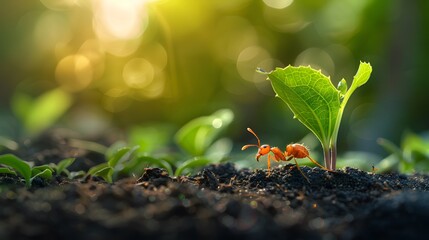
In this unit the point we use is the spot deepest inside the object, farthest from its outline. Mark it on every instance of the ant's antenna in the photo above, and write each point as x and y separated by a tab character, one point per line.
252	145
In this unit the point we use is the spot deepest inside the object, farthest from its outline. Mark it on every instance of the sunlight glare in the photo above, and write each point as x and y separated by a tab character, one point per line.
126	19
278	4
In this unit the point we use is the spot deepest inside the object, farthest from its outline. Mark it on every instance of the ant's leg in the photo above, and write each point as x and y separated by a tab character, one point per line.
318	164
269	164
297	166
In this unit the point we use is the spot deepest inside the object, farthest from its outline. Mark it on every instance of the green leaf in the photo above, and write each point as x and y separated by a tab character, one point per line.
8	143
362	75
311	96
114	159
122	155
97	168
150	137
38	169
106	173
388	164
19	165
102	170
73	175
197	135
45	174
64	164
391	148
88	145
192	164
219	150
316	103
5	170
137	165
40	113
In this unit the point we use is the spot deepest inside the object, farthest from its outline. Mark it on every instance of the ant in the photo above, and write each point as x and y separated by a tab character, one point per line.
293	151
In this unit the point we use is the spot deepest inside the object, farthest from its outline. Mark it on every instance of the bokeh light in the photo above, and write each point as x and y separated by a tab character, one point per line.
138	73
74	73
317	59
278	4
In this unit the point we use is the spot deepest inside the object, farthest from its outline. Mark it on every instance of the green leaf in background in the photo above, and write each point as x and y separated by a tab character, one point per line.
106	173
5	170
42	112
19	165
97	168
150	137
197	135
64	164
117	156
102	170
8	143
412	156
38	169
192	164
45	174
137	165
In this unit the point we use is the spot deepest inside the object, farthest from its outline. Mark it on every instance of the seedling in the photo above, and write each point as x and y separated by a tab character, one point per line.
116	159
24	169
198	139
61	167
293	151
316	103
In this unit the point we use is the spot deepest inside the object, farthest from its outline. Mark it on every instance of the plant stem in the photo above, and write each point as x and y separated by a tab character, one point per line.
333	152
327	156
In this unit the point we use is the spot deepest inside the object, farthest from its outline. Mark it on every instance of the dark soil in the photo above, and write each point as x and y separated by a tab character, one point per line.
220	202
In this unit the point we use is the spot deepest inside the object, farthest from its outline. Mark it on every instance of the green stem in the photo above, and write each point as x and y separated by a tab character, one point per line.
333	151
327	156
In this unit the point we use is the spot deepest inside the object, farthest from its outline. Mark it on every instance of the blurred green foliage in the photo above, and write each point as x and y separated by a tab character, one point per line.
23	168
411	156
38	114
155	64
199	140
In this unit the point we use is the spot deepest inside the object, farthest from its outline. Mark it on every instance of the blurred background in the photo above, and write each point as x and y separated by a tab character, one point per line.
110	64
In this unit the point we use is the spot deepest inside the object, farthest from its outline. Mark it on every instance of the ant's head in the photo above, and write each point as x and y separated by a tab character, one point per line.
263	149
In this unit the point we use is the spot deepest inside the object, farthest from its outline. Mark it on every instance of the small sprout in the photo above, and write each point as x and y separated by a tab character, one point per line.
24	169
316	103
45	174
198	135
19	165
117	159
63	165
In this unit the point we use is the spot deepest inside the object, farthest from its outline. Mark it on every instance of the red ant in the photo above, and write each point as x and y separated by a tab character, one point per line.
293	151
